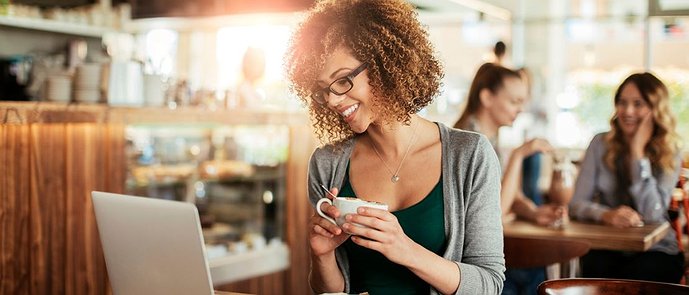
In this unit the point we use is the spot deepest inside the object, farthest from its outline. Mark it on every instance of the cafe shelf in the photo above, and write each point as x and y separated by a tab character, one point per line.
253	210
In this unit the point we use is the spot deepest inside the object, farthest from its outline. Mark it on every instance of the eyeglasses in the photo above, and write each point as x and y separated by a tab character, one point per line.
339	87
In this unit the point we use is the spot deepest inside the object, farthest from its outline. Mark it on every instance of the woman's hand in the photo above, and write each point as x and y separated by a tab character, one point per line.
642	136
622	217
550	214
533	146
383	233
324	236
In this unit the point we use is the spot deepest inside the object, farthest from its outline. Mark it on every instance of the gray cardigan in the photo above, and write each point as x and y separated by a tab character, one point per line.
649	191
471	192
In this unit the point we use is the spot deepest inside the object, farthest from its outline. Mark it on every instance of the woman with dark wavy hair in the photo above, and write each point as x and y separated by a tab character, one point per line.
365	68
630	172
496	97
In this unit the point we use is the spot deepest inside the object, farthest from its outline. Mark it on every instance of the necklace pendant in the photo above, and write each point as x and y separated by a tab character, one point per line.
395	179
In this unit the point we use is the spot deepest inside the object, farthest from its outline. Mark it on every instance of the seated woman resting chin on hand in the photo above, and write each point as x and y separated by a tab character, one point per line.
630	171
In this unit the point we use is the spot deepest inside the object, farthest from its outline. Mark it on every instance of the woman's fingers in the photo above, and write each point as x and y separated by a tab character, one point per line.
364	231
326	225
377	213
373	228
635	220
367	243
321	231
536	145
330	210
647	121
544	145
630	216
626	218
643	134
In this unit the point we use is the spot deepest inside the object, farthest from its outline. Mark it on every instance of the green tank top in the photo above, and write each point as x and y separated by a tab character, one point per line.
423	222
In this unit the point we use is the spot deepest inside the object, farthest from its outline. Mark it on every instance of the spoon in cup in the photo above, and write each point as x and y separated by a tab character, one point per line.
328	191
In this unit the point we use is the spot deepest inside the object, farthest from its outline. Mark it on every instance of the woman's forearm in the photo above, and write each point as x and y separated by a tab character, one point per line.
511	181
524	207
325	276
437	271
651	193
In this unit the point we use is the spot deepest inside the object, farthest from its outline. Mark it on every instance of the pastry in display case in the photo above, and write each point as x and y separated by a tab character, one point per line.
233	174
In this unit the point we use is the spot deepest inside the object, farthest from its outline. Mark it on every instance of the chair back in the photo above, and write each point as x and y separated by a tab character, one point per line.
533	252
609	287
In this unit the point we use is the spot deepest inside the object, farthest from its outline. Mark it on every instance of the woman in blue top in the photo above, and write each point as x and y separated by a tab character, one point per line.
626	179
365	68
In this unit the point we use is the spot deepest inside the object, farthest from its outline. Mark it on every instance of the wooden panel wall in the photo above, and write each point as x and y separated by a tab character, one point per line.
14	210
48	205
298	209
49	243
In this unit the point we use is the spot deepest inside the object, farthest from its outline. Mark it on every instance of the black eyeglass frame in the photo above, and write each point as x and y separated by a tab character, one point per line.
320	95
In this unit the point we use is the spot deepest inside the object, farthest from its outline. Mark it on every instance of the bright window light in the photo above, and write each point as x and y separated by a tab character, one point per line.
568	99
161	49
568	131
234	41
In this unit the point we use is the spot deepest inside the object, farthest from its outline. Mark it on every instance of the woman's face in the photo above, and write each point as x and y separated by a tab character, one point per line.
630	109
355	106
507	102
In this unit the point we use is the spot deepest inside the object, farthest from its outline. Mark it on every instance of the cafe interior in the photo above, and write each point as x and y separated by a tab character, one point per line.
187	101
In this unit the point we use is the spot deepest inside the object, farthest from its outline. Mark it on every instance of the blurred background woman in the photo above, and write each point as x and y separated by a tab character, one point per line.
626	179
496	96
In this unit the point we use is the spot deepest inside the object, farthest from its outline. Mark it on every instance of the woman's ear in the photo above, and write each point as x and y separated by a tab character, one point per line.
486	97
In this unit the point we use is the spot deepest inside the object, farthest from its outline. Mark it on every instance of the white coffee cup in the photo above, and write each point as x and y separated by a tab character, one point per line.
346	206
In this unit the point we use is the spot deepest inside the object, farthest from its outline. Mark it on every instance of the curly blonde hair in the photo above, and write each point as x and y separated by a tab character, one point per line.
403	72
663	146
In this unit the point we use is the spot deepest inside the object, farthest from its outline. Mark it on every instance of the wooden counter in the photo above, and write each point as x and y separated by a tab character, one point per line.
53	155
47	112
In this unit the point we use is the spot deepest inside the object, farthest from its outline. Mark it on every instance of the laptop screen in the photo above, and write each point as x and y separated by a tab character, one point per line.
151	246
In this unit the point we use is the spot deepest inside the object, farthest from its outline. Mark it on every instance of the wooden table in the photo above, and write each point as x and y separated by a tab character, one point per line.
600	236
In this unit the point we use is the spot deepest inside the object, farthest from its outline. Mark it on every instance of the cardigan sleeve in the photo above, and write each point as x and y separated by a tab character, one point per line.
483	264
323	170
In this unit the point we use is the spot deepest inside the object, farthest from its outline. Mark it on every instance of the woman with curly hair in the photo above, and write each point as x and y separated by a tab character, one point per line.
626	179
365	68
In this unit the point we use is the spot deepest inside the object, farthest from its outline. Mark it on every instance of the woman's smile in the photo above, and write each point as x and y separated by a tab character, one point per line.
349	112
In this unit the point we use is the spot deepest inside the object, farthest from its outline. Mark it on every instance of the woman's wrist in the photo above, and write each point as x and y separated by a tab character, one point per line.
605	218
524	208
325	277
517	154
323	259
412	260
637	153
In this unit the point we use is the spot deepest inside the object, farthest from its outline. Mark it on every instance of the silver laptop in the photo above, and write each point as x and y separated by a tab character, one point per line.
151	246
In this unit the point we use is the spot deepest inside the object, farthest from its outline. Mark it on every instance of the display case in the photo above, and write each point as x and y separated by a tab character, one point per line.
236	177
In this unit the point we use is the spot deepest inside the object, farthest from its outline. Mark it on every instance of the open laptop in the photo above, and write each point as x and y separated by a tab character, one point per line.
152	246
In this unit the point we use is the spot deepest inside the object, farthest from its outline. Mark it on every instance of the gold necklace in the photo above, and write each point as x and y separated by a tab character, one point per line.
395	176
